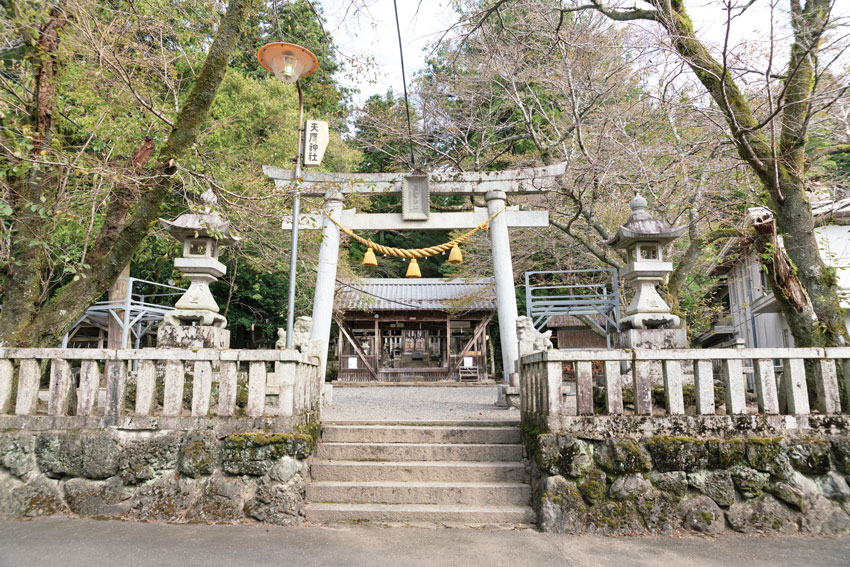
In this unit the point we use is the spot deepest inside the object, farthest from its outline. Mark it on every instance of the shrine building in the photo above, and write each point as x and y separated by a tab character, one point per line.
414	330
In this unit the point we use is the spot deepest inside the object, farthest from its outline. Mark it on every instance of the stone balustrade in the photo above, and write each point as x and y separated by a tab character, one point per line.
778	378
148	389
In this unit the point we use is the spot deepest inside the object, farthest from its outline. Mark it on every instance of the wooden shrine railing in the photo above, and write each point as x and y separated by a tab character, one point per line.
777	376
155	388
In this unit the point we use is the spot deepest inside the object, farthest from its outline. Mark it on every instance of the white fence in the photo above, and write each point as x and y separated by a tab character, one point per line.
778	377
89	383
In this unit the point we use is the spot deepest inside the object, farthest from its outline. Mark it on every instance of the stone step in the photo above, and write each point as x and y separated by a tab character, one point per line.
414	513
418	471
419	434
418	452
469	493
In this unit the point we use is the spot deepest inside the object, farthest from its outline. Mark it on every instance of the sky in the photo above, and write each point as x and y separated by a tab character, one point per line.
371	32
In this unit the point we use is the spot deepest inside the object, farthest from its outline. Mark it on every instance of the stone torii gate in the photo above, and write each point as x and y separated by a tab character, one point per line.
416	215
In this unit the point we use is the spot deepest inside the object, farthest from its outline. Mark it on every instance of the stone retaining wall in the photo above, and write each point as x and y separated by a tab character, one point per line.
664	484
175	476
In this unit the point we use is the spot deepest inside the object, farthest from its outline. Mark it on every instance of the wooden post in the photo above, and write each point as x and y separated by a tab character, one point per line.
117	293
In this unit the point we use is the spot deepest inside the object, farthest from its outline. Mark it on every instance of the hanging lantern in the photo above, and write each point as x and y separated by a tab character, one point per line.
455	257
369	258
413	269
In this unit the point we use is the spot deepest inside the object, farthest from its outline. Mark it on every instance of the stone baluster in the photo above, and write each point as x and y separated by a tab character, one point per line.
613	388
201	388
554	380
642	386
286	379
28	379
227	388
60	387
584	387
7	373
116	385
794	386
704	387
256	389
145	388
89	385
826	383
175	377
733	379
765	378
673	395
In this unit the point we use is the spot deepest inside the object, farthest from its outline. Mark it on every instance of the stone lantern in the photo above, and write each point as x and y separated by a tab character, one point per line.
643	238
195	321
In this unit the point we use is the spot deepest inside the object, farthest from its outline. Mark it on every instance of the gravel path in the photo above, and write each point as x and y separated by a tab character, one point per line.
417	403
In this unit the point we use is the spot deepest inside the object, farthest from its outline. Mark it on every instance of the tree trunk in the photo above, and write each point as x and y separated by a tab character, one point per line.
127	223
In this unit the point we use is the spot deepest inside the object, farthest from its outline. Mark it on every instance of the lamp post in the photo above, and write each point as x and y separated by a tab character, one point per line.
290	62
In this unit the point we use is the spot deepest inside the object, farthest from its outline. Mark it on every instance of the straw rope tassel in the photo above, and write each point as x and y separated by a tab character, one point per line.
415	252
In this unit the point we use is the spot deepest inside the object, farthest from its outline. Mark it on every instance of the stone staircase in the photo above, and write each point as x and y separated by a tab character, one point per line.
459	473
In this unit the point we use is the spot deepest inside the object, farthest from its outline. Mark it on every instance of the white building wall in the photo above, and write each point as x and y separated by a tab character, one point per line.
747	286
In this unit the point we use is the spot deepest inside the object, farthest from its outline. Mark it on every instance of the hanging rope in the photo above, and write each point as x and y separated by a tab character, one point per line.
404	84
414	252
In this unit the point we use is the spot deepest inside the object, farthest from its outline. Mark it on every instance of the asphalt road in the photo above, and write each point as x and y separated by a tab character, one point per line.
70	542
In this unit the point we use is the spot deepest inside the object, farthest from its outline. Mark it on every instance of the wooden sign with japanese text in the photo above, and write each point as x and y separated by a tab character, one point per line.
315	141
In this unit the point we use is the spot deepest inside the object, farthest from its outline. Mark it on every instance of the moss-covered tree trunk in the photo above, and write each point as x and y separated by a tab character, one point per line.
29	317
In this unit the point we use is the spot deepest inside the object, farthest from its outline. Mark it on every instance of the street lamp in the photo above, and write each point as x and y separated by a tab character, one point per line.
290	62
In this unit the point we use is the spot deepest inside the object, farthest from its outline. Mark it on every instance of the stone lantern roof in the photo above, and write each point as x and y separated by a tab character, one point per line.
642	227
206	223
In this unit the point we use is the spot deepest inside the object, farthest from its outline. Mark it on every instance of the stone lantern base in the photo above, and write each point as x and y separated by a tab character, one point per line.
199	336
655	339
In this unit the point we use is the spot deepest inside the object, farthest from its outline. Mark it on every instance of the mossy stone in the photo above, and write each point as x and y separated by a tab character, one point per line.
198	454
749	482
841	453
594	487
809	455
40	496
143	459
255	453
674	483
615	518
659	511
90	454
17	453
677	453
717	485
622	456
769	455
562	454
562	508
761	515
701	514
690	455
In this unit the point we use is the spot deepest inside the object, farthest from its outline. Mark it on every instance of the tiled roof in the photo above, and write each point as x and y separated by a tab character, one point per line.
423	294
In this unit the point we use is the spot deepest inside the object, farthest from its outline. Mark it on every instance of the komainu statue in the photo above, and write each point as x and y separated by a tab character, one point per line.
530	339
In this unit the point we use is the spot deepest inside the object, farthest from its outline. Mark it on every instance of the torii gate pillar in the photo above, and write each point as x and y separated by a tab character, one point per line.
503	273
323	298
